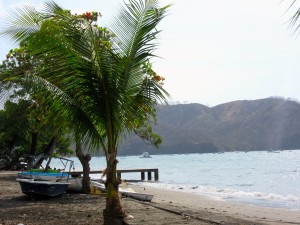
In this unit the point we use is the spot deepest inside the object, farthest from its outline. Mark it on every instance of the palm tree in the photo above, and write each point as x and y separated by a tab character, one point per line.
294	19
98	79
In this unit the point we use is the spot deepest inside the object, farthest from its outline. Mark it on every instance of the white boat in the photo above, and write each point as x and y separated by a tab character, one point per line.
75	184
125	191
145	155
139	196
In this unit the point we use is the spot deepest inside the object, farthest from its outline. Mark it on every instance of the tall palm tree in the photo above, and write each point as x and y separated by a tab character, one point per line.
98	79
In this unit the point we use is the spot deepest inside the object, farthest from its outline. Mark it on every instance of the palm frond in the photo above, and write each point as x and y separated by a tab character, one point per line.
64	107
20	23
134	27
293	22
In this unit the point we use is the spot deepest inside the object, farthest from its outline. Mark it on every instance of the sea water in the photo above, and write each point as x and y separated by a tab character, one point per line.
263	178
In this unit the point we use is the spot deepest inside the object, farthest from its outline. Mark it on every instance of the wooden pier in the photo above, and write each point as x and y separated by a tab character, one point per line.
119	172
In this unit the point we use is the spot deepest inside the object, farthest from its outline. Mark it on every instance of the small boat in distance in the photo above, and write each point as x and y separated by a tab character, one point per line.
145	155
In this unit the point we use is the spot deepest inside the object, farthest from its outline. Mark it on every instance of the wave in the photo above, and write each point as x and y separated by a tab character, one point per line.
226	194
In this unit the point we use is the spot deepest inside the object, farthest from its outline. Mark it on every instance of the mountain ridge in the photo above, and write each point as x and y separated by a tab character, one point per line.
243	125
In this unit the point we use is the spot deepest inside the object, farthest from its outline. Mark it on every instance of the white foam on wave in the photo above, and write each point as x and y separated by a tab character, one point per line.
225	194
235	174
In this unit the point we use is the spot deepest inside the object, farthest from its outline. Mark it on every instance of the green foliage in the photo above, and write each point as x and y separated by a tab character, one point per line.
148	136
17	123
98	79
28	114
14	136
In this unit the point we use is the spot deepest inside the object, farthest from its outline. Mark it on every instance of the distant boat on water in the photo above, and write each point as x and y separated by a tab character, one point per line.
145	155
273	151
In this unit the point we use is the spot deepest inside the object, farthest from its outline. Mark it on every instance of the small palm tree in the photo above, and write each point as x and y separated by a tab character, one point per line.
98	79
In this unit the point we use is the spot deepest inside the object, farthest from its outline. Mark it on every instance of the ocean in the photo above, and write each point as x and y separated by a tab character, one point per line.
262	178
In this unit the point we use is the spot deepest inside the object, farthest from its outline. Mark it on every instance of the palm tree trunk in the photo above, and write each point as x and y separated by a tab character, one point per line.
34	138
84	160
113	213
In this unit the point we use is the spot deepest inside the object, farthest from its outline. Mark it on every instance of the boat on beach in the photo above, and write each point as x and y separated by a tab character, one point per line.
38	188
47	182
48	174
75	184
41	174
125	192
138	196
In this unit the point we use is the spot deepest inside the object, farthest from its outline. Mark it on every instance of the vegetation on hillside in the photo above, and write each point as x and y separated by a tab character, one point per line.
263	124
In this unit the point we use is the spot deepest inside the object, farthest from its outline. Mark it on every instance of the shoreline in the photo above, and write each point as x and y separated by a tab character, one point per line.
195	203
167	208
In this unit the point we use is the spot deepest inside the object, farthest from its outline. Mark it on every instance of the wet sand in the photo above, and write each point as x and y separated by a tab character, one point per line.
219	211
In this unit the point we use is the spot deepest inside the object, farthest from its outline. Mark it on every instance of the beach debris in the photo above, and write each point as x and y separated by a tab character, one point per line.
23	216
185	216
95	191
130	217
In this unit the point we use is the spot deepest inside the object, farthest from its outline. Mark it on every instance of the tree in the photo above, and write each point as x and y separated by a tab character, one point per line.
16	133
98	79
18	63
13	132
41	127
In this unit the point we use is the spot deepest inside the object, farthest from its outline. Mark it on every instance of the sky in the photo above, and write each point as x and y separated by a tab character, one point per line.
215	51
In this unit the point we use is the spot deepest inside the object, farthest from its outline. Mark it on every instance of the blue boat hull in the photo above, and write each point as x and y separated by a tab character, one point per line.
39	189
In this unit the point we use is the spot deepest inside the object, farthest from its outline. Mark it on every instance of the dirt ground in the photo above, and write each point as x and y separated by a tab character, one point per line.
17	208
79	209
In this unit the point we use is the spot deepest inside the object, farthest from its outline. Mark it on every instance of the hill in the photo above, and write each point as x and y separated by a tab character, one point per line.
271	123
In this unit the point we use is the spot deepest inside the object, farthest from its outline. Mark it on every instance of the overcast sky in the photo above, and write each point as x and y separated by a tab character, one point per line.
216	51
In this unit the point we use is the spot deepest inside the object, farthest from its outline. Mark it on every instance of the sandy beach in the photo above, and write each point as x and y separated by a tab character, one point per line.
221	212
167	207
